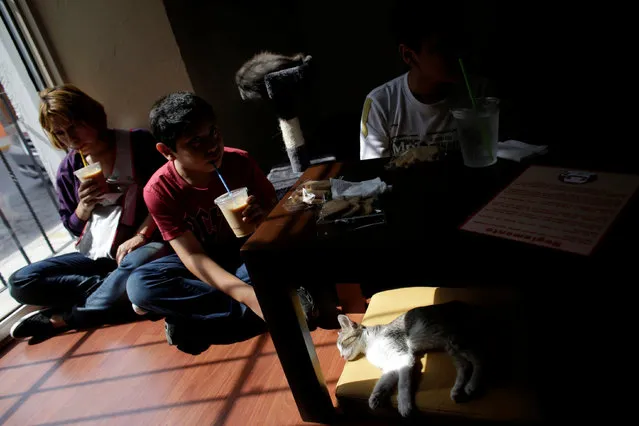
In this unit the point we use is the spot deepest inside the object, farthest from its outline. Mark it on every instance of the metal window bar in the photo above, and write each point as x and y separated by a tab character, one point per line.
36	165
14	178
12	232
7	16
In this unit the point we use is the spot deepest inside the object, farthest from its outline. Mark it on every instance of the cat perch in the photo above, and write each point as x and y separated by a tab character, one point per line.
278	79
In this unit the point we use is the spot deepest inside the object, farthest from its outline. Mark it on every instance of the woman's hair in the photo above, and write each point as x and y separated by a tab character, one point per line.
62	105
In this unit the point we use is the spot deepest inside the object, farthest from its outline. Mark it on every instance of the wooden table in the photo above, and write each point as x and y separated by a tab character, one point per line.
420	244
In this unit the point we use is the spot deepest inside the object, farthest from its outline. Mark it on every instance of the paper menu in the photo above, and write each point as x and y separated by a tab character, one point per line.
565	209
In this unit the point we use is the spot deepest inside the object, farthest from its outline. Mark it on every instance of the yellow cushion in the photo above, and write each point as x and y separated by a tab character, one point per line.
509	402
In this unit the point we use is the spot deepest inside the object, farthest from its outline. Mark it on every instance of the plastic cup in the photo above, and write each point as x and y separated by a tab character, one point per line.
232	205
93	172
478	130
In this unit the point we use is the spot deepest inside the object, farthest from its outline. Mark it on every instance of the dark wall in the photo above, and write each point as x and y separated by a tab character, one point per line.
569	71
546	61
351	49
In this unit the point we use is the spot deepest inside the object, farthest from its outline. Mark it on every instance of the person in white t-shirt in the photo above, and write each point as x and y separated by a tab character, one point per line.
414	108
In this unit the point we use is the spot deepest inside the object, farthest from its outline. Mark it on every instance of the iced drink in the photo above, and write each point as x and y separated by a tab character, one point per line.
478	130
93	172
232	206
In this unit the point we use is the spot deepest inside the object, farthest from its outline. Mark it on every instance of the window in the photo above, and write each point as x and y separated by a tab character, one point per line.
30	227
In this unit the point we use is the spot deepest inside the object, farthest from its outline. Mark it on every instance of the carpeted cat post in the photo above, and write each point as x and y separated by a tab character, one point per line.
279	79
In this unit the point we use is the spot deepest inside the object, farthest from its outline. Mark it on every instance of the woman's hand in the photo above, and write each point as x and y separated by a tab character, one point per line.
128	246
253	212
89	193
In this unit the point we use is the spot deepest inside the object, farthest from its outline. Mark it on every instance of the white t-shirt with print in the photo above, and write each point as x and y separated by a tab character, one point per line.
393	120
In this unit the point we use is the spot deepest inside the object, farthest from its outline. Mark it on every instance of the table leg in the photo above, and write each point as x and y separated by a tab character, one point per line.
289	331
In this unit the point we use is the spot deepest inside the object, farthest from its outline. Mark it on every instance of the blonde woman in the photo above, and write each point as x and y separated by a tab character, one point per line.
78	291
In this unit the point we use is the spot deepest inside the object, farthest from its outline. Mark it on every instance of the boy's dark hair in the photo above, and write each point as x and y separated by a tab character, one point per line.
437	21
172	114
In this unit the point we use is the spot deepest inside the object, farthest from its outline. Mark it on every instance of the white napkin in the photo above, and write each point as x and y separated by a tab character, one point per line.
517	150
308	197
99	232
368	188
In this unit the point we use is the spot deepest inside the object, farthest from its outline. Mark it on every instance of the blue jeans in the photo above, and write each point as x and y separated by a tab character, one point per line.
90	292
166	287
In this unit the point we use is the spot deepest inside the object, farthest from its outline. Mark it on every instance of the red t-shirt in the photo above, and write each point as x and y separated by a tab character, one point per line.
177	206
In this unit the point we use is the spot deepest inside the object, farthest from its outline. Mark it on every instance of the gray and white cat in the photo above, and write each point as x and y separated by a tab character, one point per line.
396	347
250	77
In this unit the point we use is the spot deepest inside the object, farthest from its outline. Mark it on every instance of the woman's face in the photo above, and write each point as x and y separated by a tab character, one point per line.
79	136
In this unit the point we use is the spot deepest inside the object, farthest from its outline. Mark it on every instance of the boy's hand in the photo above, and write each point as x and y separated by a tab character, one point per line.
198	262
89	193
245	294
128	246
253	212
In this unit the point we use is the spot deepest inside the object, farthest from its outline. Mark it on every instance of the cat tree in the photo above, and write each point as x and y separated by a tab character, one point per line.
279	80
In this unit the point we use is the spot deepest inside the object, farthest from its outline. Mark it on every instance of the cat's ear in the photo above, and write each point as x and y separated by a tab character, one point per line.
345	322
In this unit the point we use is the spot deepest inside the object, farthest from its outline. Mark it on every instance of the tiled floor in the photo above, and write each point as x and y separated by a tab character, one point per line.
127	374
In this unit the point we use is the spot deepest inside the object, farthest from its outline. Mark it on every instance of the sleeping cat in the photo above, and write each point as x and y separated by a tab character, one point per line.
397	346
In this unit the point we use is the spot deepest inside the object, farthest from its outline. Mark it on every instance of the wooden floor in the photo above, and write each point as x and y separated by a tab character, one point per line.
128	375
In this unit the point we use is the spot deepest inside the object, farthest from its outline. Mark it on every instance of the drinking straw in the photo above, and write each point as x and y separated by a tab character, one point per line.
470	91
83	160
222	180
482	129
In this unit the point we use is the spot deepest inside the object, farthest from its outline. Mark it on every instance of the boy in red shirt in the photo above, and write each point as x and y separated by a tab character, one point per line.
204	288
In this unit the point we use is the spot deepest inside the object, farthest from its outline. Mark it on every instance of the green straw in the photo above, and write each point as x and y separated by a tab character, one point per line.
482	129
470	91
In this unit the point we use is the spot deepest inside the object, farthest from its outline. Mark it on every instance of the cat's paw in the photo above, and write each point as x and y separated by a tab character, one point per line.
374	401
404	406
474	390
458	395
470	389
